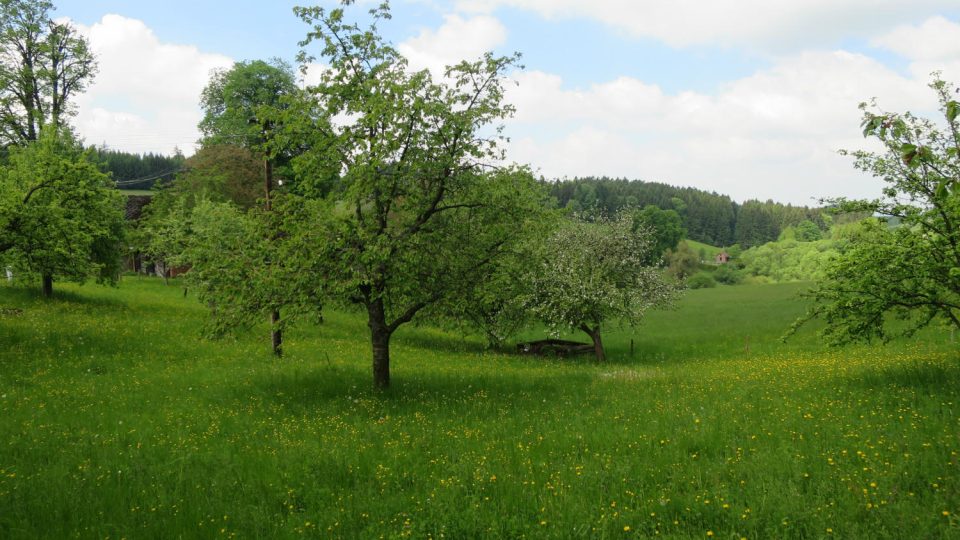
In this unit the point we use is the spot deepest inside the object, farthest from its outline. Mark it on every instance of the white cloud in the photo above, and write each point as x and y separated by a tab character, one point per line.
146	94
456	40
312	74
759	23
931	46
935	39
774	134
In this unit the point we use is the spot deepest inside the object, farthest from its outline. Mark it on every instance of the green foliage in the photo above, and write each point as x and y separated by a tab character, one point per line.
790	260
756	225
682	262
496	304
162	232
701	280
43	65
728	274
707	217
592	273
241	271
807	231
666	227
415	216
888	282
240	104
222	173
60	217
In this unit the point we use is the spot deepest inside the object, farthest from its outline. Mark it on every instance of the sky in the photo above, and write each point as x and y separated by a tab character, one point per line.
749	98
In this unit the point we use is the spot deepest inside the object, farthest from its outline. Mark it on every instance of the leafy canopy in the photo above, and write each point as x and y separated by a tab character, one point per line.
910	273
59	215
43	65
416	204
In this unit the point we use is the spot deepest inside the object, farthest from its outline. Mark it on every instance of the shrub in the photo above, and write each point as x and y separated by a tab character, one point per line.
701	280
728	275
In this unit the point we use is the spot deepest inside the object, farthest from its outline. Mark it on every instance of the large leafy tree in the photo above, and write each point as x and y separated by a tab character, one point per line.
909	273
60	217
666	226
417	211
221	173
43	65
589	274
239	102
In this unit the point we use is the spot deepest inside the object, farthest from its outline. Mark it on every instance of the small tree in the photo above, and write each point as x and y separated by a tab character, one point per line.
218	173
60	217
682	262
590	274
241	271
911	272
162	231
242	107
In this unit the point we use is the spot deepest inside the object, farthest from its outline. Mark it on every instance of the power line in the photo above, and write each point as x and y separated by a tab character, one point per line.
148	178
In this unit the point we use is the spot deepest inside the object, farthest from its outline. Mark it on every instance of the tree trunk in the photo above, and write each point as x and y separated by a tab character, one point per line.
47	286
276	335
267	184
594	334
380	339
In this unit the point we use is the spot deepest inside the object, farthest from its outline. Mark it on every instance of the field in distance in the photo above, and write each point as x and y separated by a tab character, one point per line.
116	420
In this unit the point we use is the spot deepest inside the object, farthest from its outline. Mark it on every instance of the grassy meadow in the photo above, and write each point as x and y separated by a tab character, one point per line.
117	421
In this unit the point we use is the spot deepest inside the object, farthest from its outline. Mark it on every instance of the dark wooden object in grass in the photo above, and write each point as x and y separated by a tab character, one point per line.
556	347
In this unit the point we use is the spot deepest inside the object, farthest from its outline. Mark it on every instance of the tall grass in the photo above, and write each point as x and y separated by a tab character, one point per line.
116	420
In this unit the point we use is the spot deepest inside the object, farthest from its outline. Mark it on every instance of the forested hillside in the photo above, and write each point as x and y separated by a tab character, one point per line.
708	217
138	171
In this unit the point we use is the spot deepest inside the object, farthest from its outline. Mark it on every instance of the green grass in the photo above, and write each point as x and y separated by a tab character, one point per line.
116	421
129	192
709	251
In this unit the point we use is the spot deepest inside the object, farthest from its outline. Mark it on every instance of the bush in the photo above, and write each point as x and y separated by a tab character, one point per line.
728	275
682	262
701	280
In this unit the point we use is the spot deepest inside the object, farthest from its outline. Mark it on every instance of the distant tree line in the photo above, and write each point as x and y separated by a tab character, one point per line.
708	217
138	171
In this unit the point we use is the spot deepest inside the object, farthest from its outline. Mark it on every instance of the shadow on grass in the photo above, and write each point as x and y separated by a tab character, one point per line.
338	390
428	338
27	297
935	378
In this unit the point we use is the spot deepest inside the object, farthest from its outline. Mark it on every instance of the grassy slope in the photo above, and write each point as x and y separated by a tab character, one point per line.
709	251
116	421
